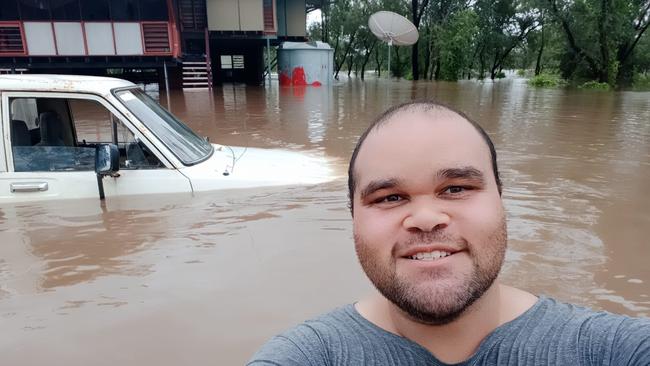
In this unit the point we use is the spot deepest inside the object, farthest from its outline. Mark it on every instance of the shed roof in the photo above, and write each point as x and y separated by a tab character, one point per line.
305	45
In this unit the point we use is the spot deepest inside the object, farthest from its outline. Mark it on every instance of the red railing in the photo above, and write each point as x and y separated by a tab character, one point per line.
192	14
12	39
269	17
155	38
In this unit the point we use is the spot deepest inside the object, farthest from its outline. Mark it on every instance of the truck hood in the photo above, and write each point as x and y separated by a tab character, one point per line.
246	167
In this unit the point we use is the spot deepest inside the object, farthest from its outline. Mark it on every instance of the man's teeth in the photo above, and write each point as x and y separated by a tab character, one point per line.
430	256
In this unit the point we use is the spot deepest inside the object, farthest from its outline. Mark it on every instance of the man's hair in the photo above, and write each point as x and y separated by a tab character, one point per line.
424	105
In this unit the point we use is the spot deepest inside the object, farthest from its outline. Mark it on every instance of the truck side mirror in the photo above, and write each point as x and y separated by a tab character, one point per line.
107	162
107	159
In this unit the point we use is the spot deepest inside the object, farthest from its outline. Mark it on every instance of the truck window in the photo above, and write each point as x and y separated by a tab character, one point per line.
41	137
24	109
58	134
95	124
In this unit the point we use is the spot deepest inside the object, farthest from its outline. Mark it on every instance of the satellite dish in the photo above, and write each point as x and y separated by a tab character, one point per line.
393	29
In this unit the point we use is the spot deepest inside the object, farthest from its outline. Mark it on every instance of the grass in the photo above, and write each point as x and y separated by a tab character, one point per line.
546	81
594	85
641	81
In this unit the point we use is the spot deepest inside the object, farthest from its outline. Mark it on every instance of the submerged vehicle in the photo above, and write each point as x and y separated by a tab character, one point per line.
69	136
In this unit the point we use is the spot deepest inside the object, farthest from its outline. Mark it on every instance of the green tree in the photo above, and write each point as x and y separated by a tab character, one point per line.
457	37
601	36
504	25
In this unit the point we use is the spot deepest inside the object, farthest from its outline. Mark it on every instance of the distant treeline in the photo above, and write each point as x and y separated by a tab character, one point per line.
600	41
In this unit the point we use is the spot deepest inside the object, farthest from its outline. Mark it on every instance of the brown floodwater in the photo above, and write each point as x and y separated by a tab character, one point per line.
206	280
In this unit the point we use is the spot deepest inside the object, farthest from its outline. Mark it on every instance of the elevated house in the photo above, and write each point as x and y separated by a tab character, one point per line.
199	42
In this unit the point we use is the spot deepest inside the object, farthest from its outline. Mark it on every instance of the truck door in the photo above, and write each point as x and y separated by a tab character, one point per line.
143	169
41	160
55	157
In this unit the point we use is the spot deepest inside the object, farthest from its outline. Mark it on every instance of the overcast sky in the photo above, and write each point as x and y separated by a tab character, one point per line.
313	17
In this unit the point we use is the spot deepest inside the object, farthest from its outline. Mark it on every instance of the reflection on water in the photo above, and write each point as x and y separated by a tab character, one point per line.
167	280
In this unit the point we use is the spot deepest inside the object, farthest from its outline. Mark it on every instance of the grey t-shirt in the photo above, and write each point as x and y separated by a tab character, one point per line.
549	333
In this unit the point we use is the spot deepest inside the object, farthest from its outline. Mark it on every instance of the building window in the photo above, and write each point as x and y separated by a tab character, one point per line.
153	10
226	62
8	10
95	10
66	10
34	9
238	61
232	62
122	10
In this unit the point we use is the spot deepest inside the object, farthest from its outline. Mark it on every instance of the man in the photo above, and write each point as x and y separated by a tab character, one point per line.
430	234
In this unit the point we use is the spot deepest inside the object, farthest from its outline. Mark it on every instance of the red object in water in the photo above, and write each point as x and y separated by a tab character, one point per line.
298	76
284	79
299	91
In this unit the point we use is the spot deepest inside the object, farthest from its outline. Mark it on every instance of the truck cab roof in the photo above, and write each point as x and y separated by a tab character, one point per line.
61	83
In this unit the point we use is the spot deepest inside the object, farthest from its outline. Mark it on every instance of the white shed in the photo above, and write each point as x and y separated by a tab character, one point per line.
305	63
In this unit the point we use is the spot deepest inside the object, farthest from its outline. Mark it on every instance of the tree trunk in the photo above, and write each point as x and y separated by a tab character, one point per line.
350	64
605	61
378	62
415	61
593	65
437	74
481	60
345	55
323	22
366	58
427	60
336	49
494	67
416	12
538	64
398	63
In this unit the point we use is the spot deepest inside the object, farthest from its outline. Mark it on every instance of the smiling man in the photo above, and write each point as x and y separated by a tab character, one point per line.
430	234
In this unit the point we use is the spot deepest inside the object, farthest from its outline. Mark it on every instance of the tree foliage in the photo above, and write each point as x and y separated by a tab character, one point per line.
600	40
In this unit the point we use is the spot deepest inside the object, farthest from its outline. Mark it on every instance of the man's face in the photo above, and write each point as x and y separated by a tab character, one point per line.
429	224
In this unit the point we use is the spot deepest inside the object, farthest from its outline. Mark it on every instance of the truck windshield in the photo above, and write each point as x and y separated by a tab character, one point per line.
188	147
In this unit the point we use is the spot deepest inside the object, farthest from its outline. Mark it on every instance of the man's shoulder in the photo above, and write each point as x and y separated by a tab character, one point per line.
559	315
576	331
549	308
308	342
340	337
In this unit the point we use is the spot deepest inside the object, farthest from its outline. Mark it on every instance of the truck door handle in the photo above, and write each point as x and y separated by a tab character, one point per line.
29	187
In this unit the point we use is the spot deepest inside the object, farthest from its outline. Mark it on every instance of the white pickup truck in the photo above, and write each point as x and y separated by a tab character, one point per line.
81	137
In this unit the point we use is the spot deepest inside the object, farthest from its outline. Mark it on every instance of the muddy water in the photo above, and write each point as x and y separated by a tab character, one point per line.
176	279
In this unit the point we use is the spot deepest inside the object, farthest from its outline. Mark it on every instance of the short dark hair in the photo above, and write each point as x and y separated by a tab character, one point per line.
423	105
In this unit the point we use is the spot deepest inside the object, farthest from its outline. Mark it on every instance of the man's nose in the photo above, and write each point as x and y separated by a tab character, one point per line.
426	215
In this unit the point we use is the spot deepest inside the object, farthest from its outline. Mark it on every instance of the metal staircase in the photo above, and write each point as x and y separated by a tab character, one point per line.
193	15
197	75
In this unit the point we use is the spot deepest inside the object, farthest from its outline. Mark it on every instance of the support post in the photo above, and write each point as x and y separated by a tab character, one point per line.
208	57
268	58
390	45
169	104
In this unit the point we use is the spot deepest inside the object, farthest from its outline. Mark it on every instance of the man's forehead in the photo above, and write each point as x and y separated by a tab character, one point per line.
439	138
433	115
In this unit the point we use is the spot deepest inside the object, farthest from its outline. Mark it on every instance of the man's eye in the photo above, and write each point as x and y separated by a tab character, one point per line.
455	189
390	198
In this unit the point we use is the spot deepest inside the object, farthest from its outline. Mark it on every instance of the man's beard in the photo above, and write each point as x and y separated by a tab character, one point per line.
441	303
